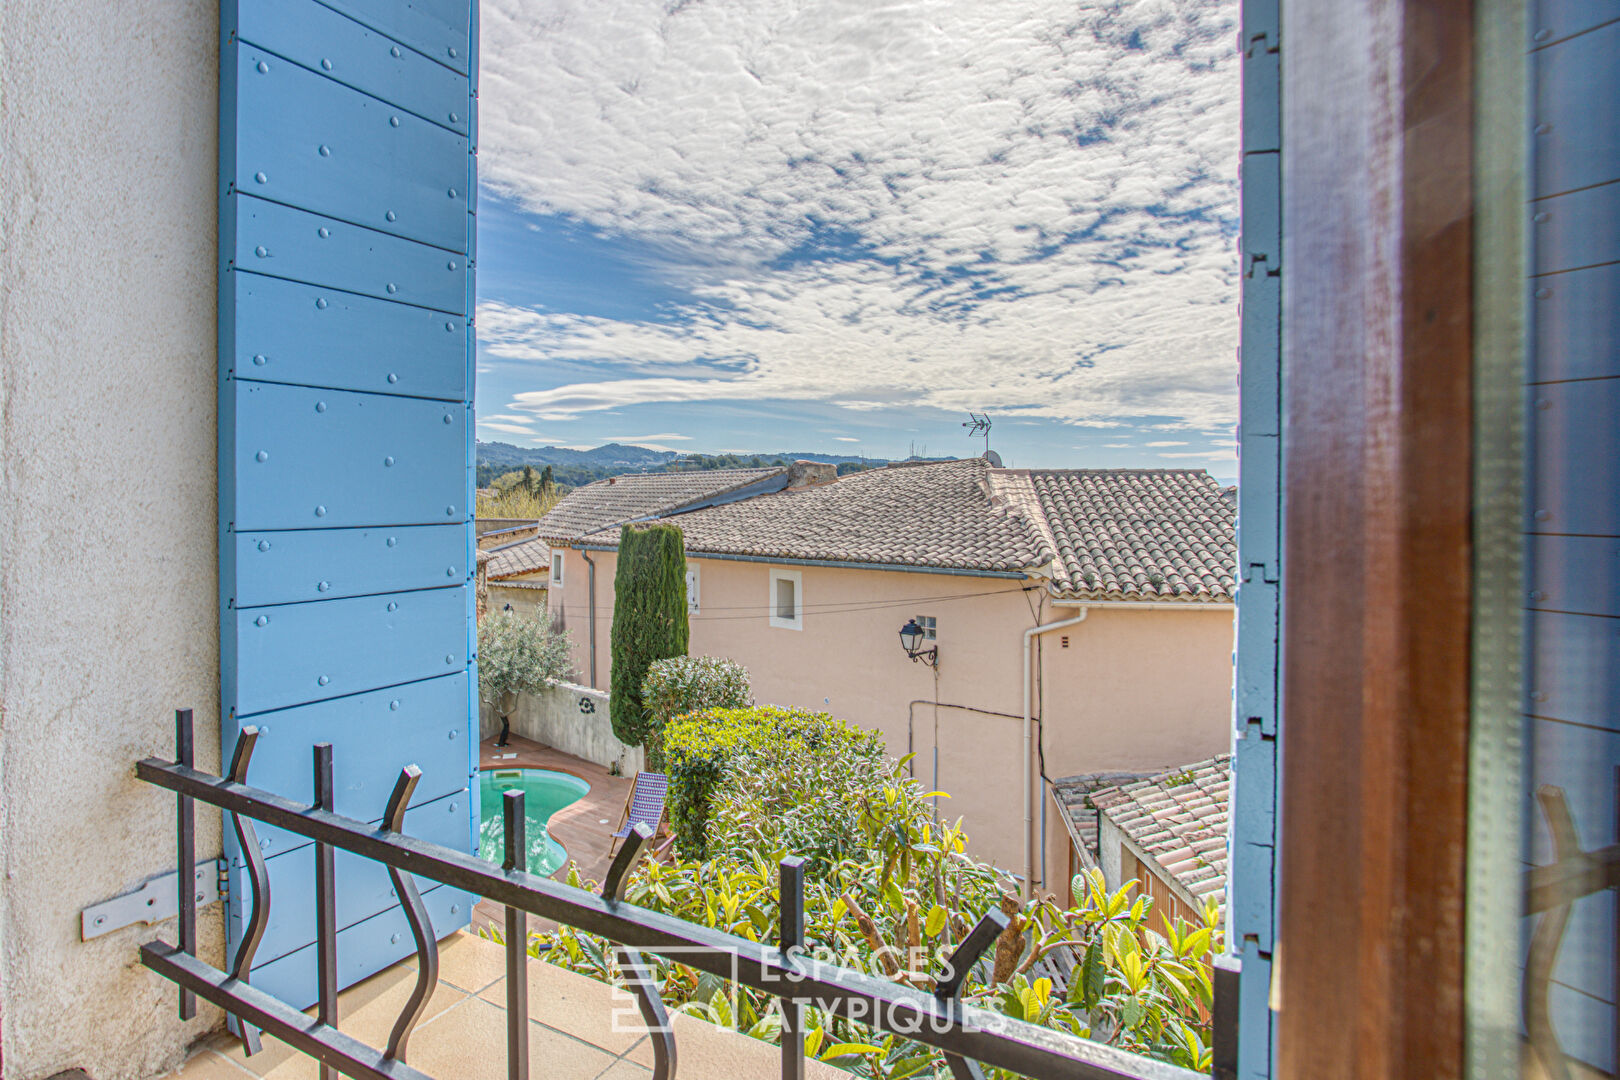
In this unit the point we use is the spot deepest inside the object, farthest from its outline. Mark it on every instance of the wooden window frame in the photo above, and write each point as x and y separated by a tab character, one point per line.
1378	111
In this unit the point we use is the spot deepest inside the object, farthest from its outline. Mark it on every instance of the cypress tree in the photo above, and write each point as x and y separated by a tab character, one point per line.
649	622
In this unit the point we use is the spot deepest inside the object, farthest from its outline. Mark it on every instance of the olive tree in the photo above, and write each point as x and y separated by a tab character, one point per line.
519	655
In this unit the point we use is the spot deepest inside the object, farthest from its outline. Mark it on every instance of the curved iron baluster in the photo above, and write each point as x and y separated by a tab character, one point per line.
427	947
1546	938
949	987
640	976
258	882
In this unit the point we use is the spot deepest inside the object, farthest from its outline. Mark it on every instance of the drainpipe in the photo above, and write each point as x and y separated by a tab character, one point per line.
590	599
1029	819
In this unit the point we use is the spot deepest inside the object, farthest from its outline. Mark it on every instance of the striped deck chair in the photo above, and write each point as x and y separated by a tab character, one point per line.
645	804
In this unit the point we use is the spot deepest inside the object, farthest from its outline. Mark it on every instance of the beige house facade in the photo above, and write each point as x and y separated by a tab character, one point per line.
1135	686
519	575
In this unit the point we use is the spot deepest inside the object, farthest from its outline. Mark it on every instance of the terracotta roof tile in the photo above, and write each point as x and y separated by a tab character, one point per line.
523	557
934	514
1148	534
606	504
1178	818
1100	534
1073	794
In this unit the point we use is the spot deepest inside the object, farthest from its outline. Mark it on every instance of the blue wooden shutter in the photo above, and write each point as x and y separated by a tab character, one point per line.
1572	519
1251	890
345	439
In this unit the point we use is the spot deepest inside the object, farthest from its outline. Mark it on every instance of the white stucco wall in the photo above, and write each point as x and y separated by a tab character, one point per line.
570	718
107	507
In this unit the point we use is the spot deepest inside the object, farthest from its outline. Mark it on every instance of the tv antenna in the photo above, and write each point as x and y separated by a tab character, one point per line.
979	424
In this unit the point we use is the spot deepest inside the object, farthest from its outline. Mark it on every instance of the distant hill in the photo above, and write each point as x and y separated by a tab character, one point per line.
505	456
573	468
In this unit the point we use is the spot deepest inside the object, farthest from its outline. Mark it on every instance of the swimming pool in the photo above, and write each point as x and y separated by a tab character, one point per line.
544	793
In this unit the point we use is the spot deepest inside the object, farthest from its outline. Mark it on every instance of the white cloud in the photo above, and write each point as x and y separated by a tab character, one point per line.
663	436
1214	455
1169	442
509	429
845	438
1031	187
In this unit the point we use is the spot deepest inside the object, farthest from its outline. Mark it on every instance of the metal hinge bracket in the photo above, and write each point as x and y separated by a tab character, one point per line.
154	901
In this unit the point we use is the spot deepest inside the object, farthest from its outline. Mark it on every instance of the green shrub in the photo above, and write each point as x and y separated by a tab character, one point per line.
899	905
684	684
756	753
649	619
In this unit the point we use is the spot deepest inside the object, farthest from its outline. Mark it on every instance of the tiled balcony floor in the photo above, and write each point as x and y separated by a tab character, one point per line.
579	1029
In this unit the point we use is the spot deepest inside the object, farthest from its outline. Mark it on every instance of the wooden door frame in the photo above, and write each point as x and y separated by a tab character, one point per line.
1377	338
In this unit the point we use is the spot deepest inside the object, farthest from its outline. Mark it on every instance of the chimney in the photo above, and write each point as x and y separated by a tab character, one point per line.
803	474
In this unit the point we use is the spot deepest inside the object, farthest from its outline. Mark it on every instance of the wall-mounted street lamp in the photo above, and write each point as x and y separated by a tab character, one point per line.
911	636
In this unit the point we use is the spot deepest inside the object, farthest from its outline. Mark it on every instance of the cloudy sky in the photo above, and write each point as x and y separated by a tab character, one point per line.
841	224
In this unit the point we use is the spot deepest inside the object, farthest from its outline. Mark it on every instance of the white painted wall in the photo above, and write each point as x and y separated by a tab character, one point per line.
570	718
107	496
1110	844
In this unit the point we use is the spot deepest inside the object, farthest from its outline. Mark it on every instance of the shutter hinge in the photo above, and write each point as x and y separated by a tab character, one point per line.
155	900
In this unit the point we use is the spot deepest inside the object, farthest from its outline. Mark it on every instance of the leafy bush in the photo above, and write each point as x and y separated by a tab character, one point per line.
520	655
684	684
756	753
895	909
649	619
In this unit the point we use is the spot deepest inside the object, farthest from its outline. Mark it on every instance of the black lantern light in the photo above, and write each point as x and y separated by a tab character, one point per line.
911	637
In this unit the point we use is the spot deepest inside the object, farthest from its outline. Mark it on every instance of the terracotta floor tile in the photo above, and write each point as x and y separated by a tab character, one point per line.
210	1065
468	962
707	1050
468	1042
628	1070
366	1011
579	1006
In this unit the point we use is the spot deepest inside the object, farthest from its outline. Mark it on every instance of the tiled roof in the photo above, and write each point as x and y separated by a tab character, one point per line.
932	514
1101	534
1178	818
1136	534
608	503
523	557
1073	794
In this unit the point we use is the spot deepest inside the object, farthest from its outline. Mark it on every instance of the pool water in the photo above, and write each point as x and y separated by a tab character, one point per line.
544	793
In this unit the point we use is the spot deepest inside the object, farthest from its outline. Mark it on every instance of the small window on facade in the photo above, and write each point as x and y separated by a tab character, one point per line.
556	568
787	600
927	624
693	585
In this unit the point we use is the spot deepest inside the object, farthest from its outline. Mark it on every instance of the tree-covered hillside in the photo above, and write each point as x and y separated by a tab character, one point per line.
574	468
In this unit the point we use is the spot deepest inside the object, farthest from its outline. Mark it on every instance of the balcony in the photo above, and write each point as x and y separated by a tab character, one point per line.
468	1007
579	1029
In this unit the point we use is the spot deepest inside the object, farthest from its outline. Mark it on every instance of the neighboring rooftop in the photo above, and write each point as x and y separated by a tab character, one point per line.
1139	534
522	557
1098	534
1178	818
606	504
931	514
1073	795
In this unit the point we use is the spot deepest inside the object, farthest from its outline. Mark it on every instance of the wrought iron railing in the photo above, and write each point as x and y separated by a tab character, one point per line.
967	1035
